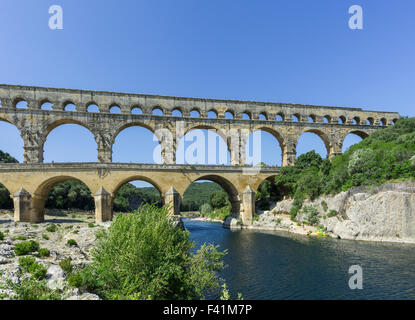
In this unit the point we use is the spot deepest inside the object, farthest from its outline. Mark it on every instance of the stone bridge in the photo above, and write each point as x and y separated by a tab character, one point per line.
234	121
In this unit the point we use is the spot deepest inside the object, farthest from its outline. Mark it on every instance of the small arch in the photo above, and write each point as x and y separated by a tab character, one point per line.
21	104
136	110
370	121
352	138
137	178
308	142
46	186
115	109
312	118
383	122
177	112
93	108
280	117
70	107
327	119
247	115
295	117
157	111
213	114
264	145
356	120
263	116
46	106
229	114
394	121
195	113
341	120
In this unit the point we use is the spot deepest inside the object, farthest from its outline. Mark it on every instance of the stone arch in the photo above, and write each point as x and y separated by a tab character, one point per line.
115	109
322	135
122	182
157	108
178	109
91	106
350	138
138	109
341	120
193	111
327	119
362	134
263	115
40	195
370	121
230	113
356	120
277	135
214	111
280	116
18	100
383	122
10	125
44	101
248	115
229	187
68	103
312	118
9	202
48	128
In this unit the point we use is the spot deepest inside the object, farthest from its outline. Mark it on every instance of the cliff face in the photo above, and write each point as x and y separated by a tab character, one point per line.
385	213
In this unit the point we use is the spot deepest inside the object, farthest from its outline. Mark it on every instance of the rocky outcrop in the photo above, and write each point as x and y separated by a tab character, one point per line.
384	213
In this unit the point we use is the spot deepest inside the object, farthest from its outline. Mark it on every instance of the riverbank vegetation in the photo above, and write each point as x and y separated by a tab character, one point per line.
144	256
386	155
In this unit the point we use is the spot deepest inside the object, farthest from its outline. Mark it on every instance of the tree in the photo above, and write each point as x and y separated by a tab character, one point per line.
219	199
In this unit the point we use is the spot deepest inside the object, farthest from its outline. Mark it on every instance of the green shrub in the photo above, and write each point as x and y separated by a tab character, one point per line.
324	206
75	280
20	238
1	236
44	236
69	227
43	252
91	225
24	248
66	266
51	228
255	217
332	213
71	242
311	215
144	255
29	264
33	289
205	209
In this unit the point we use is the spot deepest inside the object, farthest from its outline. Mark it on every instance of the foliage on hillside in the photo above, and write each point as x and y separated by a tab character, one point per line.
197	194
386	155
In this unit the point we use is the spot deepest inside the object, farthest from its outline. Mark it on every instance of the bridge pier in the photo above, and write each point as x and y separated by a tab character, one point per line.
22	206
248	203
172	199
103	205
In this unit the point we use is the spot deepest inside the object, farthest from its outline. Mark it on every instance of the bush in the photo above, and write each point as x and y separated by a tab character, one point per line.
51	228
20	238
91	225
43	252
29	264
33	289
75	280
44	236
24	248
324	206
71	242
311	215
332	213
66	266
205	209
1	236
144	255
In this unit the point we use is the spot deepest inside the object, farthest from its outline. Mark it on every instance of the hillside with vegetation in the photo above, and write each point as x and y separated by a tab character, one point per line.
385	156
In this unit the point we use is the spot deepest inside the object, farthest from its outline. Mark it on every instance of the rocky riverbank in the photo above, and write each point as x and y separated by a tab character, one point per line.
67	237
383	213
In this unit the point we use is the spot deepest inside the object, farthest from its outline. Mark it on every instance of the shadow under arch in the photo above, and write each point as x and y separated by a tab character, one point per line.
361	134
136	178
229	188
6	202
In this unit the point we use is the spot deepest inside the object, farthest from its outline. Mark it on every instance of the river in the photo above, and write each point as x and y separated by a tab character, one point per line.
271	265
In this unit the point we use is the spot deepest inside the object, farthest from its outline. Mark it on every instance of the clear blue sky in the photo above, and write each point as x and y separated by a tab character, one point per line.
284	51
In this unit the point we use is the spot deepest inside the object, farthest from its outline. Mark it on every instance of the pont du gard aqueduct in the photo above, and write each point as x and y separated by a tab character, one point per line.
30	182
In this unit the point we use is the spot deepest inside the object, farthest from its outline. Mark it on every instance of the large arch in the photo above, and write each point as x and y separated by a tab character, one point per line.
215	142
147	151
11	141
229	188
308	138
131	180
70	135
353	137
266	147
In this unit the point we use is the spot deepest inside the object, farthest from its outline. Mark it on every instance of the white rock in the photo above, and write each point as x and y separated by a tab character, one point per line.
55	277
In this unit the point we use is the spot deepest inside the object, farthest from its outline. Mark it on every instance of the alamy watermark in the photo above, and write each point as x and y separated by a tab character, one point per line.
356	20
356	280
56	18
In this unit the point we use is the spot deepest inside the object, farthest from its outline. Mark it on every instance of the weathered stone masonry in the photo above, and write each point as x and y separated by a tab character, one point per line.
332	124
